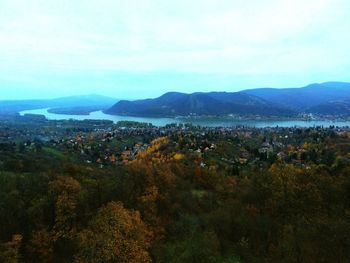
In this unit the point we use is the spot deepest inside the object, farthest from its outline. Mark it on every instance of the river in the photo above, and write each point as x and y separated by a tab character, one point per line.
210	122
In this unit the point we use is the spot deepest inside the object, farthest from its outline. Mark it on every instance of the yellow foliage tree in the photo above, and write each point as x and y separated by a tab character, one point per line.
65	191
178	156
116	234
152	151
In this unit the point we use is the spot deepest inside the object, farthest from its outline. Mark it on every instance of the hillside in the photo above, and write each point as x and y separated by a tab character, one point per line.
302	99
213	104
341	107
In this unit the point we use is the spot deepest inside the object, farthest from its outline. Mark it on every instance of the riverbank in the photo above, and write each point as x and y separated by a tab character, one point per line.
195	120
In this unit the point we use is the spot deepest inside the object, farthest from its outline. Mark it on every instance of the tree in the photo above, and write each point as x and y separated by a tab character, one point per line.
9	252
41	247
65	192
116	234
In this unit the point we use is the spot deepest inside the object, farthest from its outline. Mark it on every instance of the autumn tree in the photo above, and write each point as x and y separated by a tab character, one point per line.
41	246
57	240
116	234
9	251
65	192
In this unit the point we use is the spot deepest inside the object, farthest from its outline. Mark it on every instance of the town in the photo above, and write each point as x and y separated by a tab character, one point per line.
104	143
190	190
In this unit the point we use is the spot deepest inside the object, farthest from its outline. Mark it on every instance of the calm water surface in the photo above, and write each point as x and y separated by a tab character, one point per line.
210	122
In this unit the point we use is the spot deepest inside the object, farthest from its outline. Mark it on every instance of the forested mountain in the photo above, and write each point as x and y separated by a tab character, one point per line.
213	103
303	99
340	107
94	191
330	98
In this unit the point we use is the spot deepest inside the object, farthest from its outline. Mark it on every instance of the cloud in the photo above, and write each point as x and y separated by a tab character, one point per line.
252	38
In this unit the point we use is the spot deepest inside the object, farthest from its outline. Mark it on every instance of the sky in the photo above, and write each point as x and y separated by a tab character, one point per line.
144	48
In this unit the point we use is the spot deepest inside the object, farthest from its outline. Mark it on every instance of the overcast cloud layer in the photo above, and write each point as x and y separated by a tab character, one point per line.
140	48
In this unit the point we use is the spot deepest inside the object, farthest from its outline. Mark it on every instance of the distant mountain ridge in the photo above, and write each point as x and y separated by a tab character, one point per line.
64	104
330	98
339	108
304	99
213	103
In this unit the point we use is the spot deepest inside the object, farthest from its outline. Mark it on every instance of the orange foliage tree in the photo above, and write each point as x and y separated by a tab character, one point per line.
116	234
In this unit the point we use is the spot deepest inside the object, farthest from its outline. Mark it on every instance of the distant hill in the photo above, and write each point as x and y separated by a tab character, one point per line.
65	105
341	107
330	98
303	99
213	103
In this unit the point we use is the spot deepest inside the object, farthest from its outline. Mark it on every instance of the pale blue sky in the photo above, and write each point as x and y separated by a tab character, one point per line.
143	48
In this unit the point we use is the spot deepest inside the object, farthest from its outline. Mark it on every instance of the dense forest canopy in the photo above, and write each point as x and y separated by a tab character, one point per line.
98	192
